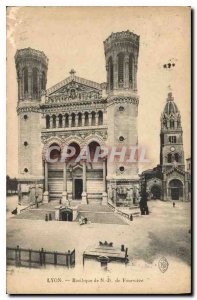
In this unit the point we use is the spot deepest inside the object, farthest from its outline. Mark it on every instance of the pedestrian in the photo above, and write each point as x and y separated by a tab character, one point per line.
173	204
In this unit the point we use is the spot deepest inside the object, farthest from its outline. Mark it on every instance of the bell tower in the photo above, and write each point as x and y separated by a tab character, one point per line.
121	54
171	137
31	69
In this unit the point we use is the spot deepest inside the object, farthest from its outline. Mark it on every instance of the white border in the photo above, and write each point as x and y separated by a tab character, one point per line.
3	4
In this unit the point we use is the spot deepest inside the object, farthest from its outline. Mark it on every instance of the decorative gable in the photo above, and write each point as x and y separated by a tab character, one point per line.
74	89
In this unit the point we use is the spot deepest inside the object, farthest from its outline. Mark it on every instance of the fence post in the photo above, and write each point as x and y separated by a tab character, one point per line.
69	258
55	258
18	256
30	258
41	256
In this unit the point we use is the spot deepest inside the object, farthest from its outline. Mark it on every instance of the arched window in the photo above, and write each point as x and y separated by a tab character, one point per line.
93	146
35	82
100	118
43	81
169	157
120	68
79	119
93	118
25	79
66	120
73	120
131	62
111	73
176	157
86	119
171	123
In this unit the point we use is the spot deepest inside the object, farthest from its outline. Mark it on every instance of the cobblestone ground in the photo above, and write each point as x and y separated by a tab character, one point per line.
164	232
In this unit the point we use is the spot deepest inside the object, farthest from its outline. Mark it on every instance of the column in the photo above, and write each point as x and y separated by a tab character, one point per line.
90	119
46	192
104	199
84	194
135	77
83	120
65	194
50	122
29	84
96	119
57	121
126	72
63	121
76	120
69	121
115	68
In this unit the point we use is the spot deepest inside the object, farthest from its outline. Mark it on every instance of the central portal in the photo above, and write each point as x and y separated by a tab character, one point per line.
78	188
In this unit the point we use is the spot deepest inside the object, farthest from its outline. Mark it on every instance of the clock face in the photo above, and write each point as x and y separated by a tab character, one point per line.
172	149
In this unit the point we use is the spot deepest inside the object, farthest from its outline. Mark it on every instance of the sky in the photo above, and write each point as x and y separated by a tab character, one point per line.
72	37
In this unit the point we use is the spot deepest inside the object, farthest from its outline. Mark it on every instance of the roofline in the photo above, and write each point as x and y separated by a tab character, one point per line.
70	79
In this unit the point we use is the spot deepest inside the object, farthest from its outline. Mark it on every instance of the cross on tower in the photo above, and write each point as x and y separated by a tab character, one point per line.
72	72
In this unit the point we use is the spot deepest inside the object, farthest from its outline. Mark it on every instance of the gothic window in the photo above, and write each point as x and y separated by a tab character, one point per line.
73	120
93	118
165	123
35	82
25	117
79	119
111	73
171	123
25	79
131	62
100	118
86	118
43	81
120	68
172	139
176	157
169	157
66	120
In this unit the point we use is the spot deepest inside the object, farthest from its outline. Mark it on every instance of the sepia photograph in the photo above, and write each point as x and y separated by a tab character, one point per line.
98	129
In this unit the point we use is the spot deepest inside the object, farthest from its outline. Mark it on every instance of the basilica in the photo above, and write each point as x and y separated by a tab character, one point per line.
80	113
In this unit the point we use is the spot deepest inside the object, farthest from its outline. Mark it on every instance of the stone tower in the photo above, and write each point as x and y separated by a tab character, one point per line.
121	54
31	68
171	139
175	181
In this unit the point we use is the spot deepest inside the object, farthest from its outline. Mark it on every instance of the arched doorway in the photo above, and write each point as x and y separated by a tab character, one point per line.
175	189
155	192
66	215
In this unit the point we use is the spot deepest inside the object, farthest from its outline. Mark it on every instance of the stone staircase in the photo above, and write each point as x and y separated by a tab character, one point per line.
99	214
55	188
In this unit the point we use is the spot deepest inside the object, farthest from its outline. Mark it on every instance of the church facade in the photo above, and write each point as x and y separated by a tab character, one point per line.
78	113
169	180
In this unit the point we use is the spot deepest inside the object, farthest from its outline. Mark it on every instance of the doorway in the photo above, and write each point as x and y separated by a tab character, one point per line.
67	215
176	189
78	188
155	192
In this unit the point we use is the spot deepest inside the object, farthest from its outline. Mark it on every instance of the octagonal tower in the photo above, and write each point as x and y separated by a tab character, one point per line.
31	68
121	53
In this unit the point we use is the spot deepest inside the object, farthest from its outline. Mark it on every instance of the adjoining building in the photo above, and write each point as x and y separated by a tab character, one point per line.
78	112
169	180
